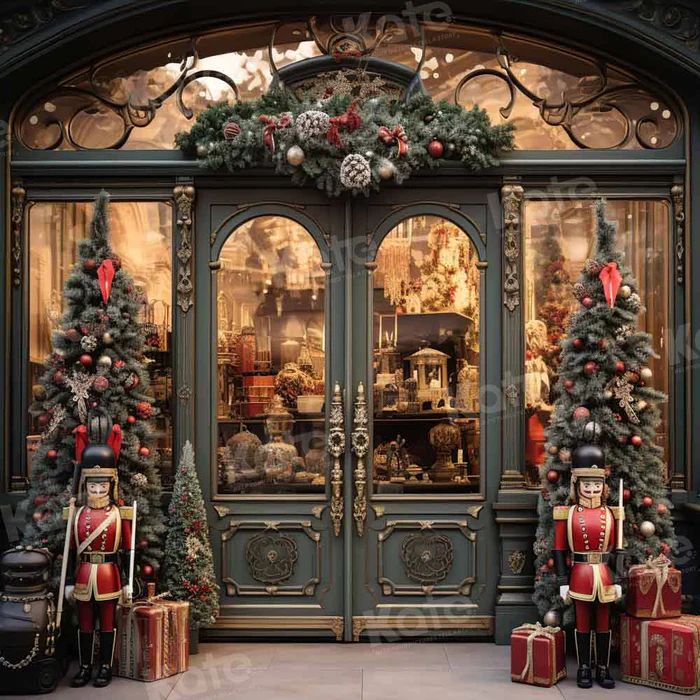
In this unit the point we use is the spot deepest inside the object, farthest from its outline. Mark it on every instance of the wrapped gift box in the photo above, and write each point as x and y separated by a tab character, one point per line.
654	590
662	654
537	655
153	639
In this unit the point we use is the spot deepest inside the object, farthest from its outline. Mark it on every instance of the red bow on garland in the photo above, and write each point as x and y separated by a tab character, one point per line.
271	125
612	279
397	138
349	119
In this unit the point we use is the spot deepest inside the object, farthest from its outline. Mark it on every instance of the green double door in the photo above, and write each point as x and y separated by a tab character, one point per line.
347	404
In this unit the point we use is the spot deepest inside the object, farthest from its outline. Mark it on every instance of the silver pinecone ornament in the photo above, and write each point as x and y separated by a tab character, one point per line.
312	123
355	173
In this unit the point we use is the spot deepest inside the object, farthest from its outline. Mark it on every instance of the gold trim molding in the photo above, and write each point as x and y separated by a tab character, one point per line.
336	449
512	200
336	625
678	196
360	445
19	205
406	625
184	199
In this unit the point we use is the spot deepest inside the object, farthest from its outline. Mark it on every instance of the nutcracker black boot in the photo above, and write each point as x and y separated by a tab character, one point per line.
85	648
602	660
104	672
584	676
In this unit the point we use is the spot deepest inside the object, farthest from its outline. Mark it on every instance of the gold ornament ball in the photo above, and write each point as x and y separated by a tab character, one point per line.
386	170
107	338
647	528
607	394
202	150
646	373
295	155
551	618
641	404
552	449
104	361
625	291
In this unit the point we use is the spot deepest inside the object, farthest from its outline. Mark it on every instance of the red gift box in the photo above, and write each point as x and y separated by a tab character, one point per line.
654	590
661	654
537	655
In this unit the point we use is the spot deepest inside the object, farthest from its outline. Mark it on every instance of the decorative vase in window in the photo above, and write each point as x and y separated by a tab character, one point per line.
291	382
445	437
277	458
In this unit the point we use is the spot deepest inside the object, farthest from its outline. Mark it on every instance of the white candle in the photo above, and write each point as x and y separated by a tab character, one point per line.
460	456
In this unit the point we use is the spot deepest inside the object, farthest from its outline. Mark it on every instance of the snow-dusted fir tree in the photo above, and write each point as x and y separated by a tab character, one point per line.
605	396
188	568
97	362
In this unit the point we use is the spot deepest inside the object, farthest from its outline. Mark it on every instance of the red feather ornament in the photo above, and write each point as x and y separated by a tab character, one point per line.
105	275
612	279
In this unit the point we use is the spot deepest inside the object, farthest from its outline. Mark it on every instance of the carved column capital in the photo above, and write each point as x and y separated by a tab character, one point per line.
511	201
184	200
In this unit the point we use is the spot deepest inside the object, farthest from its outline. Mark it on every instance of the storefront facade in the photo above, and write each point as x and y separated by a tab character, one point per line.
352	506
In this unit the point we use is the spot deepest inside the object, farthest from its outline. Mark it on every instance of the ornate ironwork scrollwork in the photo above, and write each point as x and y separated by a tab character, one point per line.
596	94
184	198
19	204
512	199
427	557
336	449
516	561
271	557
360	445
678	195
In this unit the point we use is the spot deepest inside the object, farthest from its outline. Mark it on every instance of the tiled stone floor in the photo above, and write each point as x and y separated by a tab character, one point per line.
298	671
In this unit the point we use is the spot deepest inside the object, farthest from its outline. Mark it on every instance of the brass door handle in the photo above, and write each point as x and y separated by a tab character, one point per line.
360	445
336	449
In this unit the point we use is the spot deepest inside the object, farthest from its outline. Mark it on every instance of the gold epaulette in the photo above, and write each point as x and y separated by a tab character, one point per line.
65	513
561	512
127	512
618	512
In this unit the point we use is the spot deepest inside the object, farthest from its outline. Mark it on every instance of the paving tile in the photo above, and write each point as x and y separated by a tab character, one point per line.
363	655
462	684
303	681
477	655
236	655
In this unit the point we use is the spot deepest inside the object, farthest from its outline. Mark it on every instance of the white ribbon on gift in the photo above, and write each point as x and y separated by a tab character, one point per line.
536	630
659	567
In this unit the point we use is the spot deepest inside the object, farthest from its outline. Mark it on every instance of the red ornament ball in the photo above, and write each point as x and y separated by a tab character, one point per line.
52	454
144	451
661	509
90	264
58	377
569	384
550	563
647	501
43	419
86	360
636	440
632	377
581	413
231	130
626	495
436	148
73	335
619	367
144	409
602	344
37	515
665	549
590	368
578	343
587	302
40	500
101	383
119	364
552	476
131	419
143	544
147	570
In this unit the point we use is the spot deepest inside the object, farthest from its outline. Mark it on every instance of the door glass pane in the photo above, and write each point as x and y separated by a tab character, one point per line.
141	235
426	360
559	236
271	361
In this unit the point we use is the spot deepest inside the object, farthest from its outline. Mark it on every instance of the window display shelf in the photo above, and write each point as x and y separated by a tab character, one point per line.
426	416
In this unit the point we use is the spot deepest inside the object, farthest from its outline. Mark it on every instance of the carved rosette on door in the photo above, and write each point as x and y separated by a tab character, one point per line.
336	449
360	445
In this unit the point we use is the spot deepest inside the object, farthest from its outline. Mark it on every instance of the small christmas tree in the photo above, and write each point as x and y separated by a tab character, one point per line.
189	564
605	397
97	363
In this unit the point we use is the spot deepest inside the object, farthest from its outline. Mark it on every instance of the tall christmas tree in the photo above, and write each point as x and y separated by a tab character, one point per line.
97	363
188	569
605	397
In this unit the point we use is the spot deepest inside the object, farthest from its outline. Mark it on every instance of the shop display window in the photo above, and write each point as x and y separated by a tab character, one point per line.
559	235
271	359
141	235
426	363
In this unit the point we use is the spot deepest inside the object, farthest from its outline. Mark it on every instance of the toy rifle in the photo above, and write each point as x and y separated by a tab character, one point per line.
64	562
130	591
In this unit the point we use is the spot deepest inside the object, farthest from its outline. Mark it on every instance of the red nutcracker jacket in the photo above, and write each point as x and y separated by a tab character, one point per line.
587	534
98	535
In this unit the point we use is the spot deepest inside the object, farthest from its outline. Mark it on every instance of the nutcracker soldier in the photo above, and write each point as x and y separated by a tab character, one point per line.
590	534
100	530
